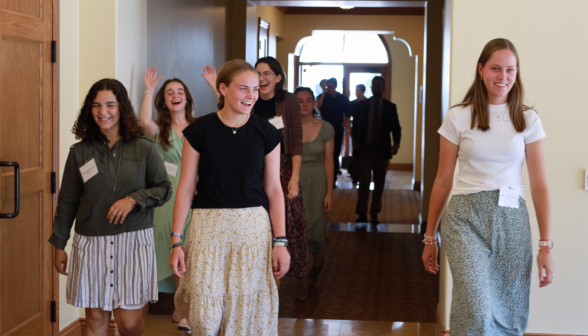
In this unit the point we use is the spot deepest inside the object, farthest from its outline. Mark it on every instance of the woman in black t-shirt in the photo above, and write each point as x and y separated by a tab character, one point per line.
228	279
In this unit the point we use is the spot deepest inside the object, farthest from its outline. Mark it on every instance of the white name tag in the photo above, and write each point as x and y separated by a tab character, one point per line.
89	170
278	122
172	169
509	197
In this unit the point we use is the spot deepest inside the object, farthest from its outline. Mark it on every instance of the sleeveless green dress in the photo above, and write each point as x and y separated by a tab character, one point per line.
162	216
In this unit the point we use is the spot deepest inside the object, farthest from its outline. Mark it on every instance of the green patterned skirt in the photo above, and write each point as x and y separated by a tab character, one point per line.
490	254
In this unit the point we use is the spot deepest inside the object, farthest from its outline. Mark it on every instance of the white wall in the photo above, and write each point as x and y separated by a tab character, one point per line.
132	48
69	106
549	37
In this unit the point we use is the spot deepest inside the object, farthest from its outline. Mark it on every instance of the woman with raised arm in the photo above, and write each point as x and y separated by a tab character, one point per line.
174	105
281	108
316	179
230	260
486	227
112	181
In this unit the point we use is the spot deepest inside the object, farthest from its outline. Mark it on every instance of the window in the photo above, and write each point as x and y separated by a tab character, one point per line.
343	47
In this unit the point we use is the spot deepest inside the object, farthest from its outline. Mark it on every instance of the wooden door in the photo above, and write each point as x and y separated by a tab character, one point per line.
27	120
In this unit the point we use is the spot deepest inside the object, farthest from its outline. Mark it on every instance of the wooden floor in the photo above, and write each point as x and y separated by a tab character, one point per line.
159	325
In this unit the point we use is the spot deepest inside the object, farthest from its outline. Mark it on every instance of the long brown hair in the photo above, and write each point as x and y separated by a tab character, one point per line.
278	70
164	117
86	129
227	73
477	95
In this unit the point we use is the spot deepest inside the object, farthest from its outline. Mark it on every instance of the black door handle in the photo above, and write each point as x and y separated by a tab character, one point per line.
16	188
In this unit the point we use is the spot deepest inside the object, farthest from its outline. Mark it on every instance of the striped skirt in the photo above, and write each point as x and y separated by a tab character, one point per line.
490	254
228	287
110	272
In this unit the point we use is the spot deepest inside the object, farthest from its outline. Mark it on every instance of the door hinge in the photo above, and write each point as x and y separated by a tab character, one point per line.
53	182
53	311
53	51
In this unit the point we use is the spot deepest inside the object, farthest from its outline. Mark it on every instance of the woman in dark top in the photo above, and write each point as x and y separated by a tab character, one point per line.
228	284
282	109
112	181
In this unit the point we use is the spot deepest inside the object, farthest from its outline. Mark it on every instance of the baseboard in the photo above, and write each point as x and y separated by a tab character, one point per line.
400	166
74	329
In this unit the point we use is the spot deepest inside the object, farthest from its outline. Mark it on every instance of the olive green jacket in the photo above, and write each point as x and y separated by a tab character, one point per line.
141	174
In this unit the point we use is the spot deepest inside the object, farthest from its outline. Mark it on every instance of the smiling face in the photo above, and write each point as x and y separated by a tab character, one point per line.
499	74
105	111
175	97
306	101
242	93
267	80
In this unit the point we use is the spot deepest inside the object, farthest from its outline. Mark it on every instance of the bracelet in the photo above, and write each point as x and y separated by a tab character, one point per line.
176	245
546	243
177	235
280	241
147	91
132	201
430	240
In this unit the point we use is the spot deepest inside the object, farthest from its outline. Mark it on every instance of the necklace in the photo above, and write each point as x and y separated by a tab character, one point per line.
498	116
231	127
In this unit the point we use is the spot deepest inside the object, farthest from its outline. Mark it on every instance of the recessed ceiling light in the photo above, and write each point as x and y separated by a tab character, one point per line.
346	7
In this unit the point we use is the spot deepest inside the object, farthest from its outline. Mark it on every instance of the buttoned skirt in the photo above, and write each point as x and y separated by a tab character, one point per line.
110	272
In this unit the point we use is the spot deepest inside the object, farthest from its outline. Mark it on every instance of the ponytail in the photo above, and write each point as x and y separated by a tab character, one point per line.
221	101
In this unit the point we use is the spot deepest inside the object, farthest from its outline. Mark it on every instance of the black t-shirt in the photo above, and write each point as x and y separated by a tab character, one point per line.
265	108
231	165
334	108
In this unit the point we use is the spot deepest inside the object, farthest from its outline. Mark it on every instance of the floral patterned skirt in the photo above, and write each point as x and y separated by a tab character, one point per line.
295	222
229	287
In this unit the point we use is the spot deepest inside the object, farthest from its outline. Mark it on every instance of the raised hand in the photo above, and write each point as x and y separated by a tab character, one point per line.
209	74
151	79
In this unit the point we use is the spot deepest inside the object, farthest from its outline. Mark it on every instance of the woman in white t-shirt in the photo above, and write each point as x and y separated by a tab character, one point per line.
487	231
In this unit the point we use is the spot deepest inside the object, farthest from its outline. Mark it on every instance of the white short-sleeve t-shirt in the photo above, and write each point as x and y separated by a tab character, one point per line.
492	159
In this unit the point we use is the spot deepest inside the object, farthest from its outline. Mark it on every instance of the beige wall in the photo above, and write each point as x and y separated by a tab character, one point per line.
551	68
69	105
406	27
275	18
403	87
132	48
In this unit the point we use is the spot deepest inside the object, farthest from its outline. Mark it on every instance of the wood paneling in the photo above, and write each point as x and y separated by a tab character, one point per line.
354	11
21	265
20	71
27	119
32	8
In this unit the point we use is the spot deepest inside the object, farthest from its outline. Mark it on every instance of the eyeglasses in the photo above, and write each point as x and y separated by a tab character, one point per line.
266	74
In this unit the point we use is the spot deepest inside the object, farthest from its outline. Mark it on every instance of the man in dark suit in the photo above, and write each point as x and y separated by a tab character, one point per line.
373	122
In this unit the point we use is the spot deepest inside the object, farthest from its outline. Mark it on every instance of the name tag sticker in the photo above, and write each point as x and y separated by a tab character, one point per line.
172	169
509	197
278	122
89	170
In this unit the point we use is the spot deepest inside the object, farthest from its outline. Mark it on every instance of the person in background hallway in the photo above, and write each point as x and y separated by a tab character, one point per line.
316	179
360	94
279	106
372	147
112	181
335	110
228	285
174	106
486	229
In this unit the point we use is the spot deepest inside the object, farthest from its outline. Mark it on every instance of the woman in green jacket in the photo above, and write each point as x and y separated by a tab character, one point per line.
112	181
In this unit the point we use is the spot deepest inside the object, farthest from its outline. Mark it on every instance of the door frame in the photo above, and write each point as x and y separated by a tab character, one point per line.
55	136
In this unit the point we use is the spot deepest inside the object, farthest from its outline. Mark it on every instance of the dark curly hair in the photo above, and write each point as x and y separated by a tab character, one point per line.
278	70
86	129
163	116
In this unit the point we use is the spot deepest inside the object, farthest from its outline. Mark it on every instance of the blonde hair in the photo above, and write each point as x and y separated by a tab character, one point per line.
477	95
227	73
